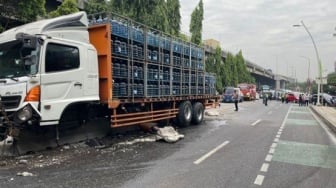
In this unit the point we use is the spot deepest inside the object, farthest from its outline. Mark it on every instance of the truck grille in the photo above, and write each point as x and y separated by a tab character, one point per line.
10	102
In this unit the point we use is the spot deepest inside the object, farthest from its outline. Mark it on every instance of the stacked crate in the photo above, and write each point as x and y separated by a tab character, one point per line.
149	63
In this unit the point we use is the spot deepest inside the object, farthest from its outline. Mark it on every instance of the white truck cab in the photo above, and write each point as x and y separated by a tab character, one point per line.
46	67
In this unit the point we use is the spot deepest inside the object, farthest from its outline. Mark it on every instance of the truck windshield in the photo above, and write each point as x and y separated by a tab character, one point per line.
14	60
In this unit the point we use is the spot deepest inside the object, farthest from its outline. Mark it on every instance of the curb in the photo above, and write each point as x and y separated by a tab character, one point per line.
324	118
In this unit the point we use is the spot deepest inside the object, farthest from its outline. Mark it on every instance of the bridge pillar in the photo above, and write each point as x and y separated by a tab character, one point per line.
277	84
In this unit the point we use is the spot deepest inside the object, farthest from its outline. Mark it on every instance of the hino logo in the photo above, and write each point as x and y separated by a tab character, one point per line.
13	93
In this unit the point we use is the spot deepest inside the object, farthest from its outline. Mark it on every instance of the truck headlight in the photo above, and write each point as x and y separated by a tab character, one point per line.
24	114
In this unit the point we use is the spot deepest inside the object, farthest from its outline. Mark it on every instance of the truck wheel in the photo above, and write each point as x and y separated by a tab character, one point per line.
184	114
197	113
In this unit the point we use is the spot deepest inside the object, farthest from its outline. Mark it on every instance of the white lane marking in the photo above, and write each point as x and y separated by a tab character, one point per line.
268	158
284	121
198	161
264	167
259	180
274	145
270	112
324	126
278	136
256	122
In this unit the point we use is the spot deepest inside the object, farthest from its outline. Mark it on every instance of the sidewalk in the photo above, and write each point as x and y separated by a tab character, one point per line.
327	114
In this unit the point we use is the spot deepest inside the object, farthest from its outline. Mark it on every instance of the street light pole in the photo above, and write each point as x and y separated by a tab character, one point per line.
318	61
308	72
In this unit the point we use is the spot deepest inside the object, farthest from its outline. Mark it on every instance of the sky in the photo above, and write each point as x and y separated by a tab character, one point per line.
263	30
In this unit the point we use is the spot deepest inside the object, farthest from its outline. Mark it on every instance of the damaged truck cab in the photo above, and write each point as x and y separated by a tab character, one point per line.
45	68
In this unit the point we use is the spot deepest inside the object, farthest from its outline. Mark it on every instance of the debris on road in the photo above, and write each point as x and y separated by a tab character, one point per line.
169	134
25	174
212	112
146	139
23	161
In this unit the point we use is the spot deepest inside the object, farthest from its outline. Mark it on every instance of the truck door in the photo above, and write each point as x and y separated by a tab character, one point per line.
61	80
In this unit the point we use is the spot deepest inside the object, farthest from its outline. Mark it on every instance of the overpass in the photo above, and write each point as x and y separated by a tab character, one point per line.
262	76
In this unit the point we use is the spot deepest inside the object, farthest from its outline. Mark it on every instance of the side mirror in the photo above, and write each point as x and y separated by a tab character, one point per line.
28	41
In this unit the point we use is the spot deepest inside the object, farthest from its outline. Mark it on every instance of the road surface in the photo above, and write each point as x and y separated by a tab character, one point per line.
279	145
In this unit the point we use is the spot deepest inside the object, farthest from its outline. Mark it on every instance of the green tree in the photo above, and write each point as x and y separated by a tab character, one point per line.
226	74
21	11
331	79
174	16
184	37
30	9
244	75
119	7
148	12
230	65
67	7
214	64
196	25
158	18
96	6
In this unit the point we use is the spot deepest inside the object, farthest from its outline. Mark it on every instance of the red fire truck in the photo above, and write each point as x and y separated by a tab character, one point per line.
248	91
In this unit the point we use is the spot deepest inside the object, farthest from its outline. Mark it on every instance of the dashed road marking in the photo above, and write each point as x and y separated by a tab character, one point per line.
274	145
256	122
198	161
264	167
259	180
269	158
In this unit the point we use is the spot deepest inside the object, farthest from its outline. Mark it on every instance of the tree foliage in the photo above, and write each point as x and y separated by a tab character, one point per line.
21	11
213	64
162	15
331	79
174	16
95	6
243	75
67	7
196	25
229	72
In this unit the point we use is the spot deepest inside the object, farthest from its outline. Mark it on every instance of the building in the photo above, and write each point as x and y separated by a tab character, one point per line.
211	43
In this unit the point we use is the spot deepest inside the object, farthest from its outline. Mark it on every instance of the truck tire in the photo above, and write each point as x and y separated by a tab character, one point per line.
184	115
197	113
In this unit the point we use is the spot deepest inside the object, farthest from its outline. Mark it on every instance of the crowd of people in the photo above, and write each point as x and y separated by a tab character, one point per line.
303	100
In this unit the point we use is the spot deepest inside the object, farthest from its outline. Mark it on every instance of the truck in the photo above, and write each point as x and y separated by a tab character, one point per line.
78	67
248	91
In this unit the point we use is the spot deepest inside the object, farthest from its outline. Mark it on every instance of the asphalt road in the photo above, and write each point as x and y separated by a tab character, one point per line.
279	145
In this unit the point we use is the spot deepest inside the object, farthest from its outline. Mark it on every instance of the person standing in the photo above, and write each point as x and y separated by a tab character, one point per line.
265	99
300	100
235	99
